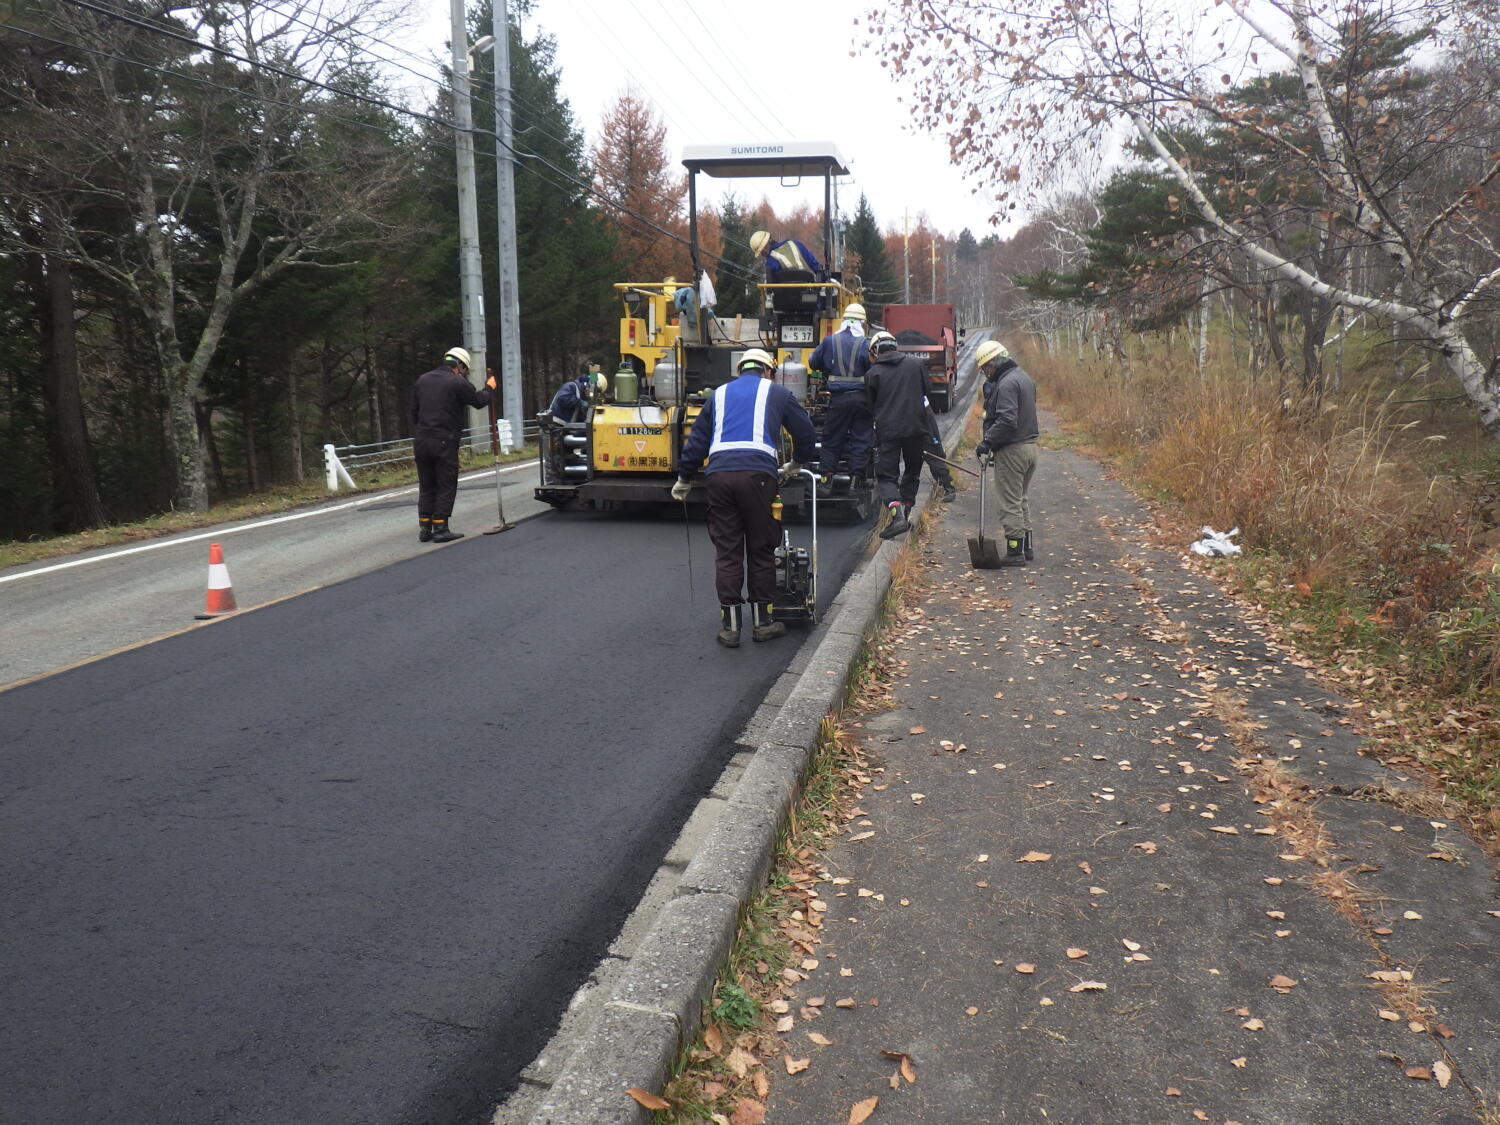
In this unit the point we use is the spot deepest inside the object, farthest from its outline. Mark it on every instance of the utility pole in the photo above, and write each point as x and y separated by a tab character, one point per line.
905	257
932	254
470	277
510	303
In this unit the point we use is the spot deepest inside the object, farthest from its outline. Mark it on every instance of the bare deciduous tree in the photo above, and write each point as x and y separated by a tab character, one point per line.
1400	167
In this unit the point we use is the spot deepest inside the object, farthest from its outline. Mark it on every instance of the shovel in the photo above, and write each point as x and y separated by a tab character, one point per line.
984	554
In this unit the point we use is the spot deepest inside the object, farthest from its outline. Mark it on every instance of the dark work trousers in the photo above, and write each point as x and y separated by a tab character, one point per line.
436	453
889	456
847	428
935	450
744	533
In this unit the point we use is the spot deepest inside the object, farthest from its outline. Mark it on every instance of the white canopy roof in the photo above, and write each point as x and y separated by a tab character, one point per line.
777	158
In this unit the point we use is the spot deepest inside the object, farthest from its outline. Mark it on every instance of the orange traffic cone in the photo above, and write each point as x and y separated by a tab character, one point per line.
220	593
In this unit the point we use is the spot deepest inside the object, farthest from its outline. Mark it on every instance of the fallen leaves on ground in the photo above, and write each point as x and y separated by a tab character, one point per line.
1282	983
1088	986
1074	953
796	1066
1035	857
647	1098
908	1070
747	1111
861	1111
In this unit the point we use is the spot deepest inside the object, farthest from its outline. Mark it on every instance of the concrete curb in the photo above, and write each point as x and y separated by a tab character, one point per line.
654	1011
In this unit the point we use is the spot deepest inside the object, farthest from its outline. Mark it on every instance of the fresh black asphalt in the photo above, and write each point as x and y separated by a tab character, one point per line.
345	859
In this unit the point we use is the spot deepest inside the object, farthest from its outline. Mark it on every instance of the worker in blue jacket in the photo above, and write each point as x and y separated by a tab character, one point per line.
571	402
787	254
843	361
739	431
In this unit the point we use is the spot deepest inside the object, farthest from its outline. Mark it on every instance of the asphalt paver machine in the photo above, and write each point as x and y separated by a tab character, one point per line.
625	452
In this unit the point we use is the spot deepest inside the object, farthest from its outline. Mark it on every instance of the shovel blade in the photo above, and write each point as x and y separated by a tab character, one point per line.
984	554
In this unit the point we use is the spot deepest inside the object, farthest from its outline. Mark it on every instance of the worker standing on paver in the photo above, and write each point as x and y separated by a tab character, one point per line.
896	388
1010	433
842	359
437	414
739	429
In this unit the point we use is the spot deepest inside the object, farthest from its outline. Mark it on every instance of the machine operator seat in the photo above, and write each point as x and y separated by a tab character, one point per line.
795	300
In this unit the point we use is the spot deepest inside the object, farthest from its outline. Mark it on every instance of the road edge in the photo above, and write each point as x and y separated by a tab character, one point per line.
652	1010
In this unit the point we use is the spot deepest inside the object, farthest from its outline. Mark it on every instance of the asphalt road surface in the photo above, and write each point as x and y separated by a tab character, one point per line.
345	858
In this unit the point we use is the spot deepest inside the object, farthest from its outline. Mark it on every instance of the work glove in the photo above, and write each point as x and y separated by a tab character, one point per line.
681	489
790	471
490	382
983	451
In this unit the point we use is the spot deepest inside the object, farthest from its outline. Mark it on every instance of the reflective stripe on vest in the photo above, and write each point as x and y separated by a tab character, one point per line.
742	424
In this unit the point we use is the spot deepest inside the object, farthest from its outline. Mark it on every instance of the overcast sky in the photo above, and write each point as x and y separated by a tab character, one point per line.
763	71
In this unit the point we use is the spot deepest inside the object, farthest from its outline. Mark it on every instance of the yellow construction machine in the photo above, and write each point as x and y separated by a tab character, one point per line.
625	452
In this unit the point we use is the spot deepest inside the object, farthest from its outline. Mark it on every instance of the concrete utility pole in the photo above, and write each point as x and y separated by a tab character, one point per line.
932	255
470	276
510	301
905	258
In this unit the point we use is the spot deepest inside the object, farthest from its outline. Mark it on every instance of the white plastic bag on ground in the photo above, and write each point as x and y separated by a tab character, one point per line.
1216	544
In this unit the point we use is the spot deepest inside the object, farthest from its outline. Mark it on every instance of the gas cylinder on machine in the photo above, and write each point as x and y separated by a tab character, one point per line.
793	376
664	380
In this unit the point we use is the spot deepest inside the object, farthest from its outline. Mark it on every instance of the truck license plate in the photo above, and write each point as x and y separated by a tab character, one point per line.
796	334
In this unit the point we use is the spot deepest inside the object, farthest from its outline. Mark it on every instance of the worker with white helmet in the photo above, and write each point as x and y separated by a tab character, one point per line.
788	254
571	402
897	387
437	414
842	359
1009	442
739	431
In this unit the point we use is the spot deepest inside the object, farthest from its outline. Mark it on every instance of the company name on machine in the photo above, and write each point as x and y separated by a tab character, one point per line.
755	150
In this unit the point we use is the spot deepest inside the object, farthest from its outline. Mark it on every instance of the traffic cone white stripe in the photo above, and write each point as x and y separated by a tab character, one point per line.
220	598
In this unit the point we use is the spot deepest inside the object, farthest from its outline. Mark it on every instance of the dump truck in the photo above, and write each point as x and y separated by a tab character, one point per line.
929	332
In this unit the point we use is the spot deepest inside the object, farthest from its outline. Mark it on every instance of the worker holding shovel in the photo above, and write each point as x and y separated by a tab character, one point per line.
1010	433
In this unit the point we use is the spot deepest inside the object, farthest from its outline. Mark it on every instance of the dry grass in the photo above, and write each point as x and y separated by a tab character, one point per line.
1370	534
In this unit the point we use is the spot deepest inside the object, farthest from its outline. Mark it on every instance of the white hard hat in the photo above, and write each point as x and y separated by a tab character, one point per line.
855	311
600	381
990	350
756	355
882	342
758	241
459	354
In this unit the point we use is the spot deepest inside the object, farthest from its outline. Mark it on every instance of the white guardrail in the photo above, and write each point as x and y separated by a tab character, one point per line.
341	461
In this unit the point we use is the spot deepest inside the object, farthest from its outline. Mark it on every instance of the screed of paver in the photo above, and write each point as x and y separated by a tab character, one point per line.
1075	907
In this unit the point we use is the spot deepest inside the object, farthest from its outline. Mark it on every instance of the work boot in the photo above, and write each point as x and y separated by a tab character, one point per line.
1015	551
950	494
764	629
729	622
424	532
442	533
1026	547
898	524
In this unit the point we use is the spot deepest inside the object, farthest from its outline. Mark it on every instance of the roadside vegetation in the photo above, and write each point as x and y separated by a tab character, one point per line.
272	501
1368	518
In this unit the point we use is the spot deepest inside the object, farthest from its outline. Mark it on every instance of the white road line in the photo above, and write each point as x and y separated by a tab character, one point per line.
220	533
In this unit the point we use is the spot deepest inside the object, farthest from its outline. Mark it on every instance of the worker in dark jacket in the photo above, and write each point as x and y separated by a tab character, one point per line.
896	388
842	359
1010	433
739	431
936	452
438	399
571	402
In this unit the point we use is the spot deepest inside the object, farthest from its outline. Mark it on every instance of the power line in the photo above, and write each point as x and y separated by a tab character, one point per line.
732	69
172	33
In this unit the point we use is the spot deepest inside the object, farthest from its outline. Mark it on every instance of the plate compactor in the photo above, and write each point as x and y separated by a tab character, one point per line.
797	567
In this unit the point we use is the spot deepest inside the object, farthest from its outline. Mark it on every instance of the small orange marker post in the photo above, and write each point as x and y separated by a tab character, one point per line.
220	599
